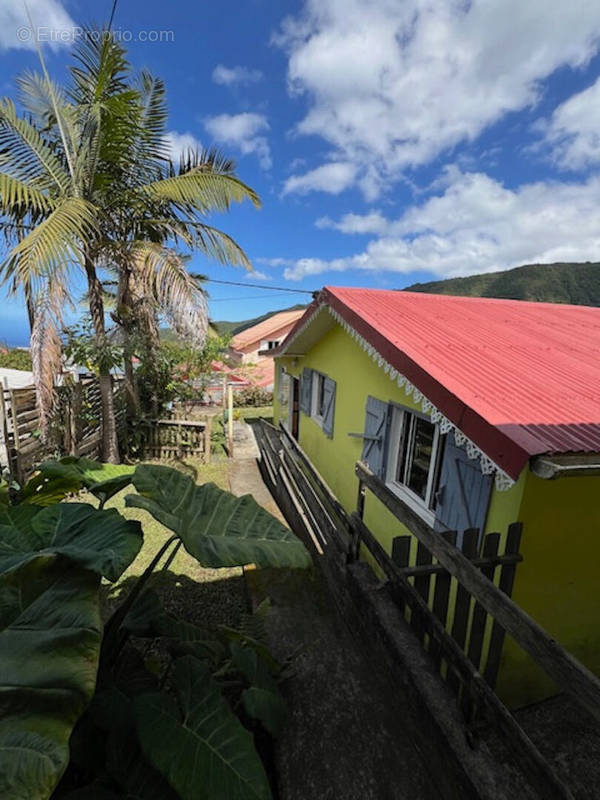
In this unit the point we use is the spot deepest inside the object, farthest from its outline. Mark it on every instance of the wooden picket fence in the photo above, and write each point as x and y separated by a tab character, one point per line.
75	429
456	601
169	439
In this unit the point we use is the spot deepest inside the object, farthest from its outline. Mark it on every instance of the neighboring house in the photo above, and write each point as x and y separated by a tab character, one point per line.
467	408
251	347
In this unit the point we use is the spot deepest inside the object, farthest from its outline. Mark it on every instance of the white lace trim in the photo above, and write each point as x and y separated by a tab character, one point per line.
488	467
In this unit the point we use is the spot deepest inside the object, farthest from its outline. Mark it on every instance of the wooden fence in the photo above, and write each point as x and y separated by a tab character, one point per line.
75	428
168	439
462	636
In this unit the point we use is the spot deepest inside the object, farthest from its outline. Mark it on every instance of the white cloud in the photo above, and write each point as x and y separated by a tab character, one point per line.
178	144
257	275
476	225
235	76
373	222
574	130
392	85
244	132
51	24
331	178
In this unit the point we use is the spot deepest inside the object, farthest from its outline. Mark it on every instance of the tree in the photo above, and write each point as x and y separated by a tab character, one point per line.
86	180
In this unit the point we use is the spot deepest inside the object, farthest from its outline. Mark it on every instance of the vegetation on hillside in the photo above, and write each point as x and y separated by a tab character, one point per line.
578	284
15	358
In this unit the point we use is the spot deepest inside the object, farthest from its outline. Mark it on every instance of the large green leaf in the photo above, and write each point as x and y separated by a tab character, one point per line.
217	528
196	742
103	480
102	541
50	633
262	699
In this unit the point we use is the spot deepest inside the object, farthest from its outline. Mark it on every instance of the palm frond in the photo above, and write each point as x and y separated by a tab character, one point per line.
101	67
217	245
24	150
164	277
201	190
45	345
53	245
16	196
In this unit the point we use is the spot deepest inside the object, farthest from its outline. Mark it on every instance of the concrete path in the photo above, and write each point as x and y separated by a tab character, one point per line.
344	740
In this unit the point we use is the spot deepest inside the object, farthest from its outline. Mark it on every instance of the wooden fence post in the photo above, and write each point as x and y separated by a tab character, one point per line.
230	420
74	417
207	439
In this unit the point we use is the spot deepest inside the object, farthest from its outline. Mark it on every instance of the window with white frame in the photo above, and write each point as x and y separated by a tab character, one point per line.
272	344
413	458
318	396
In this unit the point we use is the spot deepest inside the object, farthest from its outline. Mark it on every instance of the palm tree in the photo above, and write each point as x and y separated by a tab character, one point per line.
87	168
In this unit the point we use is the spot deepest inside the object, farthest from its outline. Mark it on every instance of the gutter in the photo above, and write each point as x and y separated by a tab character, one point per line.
568	466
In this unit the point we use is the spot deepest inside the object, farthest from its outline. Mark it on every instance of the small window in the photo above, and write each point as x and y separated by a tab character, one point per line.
272	344
413	458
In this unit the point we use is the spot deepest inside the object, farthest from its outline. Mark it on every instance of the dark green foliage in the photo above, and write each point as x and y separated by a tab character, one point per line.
578	284
196	742
102	480
101	541
176	727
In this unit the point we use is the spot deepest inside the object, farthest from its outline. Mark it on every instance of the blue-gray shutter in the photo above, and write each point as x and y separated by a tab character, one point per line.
464	492
305	392
376	423
329	406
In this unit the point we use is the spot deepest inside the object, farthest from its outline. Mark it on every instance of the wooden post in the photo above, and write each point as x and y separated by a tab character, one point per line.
230	421
15	423
207	442
75	418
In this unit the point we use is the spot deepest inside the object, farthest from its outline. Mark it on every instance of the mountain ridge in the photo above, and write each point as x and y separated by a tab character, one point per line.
561	282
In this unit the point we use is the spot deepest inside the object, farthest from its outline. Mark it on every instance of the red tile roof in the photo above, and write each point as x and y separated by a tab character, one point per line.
265	329
518	378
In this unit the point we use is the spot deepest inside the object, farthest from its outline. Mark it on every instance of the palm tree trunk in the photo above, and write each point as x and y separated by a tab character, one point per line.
124	318
110	445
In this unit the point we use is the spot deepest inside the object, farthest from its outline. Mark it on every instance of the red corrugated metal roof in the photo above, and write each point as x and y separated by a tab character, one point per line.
518	378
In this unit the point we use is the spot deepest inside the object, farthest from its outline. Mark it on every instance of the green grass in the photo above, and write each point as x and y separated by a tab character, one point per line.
187	589
253	412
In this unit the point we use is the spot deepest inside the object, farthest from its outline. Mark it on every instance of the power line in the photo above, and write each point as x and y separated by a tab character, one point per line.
259	286
112	14
231	299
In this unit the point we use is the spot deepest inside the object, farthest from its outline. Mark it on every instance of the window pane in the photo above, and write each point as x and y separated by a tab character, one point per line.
421	456
403	447
321	396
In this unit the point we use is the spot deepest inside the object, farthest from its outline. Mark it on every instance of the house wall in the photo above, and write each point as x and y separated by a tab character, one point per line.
249	354
557	582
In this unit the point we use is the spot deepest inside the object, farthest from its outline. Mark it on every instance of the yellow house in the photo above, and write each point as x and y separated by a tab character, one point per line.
477	413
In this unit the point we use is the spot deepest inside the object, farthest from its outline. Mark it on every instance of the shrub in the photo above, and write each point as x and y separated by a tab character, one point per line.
252	396
15	358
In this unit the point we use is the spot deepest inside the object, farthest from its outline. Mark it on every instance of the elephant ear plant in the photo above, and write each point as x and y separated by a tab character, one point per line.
84	712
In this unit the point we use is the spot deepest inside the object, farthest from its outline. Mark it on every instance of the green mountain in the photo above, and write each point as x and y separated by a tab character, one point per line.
224	326
578	284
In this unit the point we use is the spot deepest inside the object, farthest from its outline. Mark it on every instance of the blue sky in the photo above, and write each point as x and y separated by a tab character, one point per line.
390	142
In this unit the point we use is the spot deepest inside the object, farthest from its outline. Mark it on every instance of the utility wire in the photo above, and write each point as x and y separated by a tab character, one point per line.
259	286
112	14
232	299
